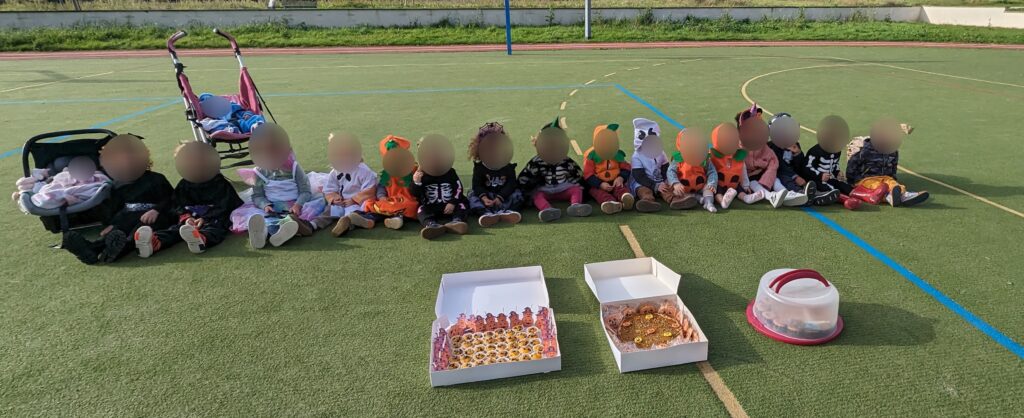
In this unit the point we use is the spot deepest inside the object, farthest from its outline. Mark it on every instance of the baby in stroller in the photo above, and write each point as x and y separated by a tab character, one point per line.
223	115
140	197
78	182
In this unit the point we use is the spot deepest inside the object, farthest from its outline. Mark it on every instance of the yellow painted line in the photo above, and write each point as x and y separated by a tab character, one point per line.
743	91
562	107
589	82
573	93
634	68
562	121
718	385
55	82
659	64
609	74
576	147
951	76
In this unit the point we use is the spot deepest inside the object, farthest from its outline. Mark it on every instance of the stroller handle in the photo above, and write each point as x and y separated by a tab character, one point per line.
231	39
26	150
174	38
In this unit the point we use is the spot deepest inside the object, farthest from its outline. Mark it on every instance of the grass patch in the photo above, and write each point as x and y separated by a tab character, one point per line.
105	37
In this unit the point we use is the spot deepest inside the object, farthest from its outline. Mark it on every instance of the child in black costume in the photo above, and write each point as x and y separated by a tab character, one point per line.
437	187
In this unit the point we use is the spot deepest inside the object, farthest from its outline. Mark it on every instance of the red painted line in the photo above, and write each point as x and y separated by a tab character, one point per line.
491	48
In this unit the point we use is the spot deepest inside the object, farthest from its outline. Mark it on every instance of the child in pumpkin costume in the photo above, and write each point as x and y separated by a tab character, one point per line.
872	166
727	157
552	175
394	200
693	178
606	171
650	165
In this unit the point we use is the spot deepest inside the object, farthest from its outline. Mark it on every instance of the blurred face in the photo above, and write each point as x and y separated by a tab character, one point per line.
197	162
754	134
495	151
436	155
269	146
886	136
82	168
606	143
125	158
726	139
693	146
785	132
833	134
652	147
398	162
552	145
344	152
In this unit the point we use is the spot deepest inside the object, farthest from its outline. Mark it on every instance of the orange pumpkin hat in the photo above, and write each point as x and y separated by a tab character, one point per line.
392	141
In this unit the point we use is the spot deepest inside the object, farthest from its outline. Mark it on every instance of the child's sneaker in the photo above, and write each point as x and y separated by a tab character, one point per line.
611	207
647	206
305	228
810	189
342	226
795	199
826	198
913	198
579	210
752	197
432	230
193	238
511	216
728	197
113	244
286	230
145	241
549	214
361	221
257	232
76	244
627	201
394	222
895	196
776	198
686	202
488	219
458	226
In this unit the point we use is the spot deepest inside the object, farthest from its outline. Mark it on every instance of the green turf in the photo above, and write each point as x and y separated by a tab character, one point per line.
641	29
340	327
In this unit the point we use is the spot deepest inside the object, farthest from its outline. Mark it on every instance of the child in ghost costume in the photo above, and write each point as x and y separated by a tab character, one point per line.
141	198
727	157
784	132
692	176
873	166
822	164
203	201
437	187
552	175
495	196
647	179
762	165
350	183
79	181
394	200
281	189
606	171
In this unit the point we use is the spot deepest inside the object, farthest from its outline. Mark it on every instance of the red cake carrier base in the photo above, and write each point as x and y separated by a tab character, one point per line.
786	339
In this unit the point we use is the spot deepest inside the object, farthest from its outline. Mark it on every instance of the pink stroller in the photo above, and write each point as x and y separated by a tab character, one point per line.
248	98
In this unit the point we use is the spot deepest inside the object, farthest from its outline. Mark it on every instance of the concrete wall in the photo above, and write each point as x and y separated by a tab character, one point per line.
973	16
389	18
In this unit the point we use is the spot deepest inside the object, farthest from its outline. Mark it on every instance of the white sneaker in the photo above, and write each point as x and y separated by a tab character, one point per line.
144	241
794	199
257	232
191	236
286	230
728	197
394	222
776	198
753	197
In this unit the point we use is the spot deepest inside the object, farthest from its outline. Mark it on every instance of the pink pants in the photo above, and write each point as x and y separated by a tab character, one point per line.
573	194
602	196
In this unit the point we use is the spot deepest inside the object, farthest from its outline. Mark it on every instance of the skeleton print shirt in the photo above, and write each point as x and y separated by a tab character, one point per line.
550	178
434	192
820	162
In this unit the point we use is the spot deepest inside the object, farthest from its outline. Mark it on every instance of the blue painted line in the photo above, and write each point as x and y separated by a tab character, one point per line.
17	151
312	94
950	304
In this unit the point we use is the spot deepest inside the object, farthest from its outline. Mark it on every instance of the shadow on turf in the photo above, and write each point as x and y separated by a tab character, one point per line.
965	183
877	325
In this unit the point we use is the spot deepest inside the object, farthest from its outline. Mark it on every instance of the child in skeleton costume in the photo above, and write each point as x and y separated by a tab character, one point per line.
495	196
140	198
281	189
393	201
785	142
727	157
822	164
350	183
606	171
692	176
647	180
552	175
872	166
443	204
203	201
762	165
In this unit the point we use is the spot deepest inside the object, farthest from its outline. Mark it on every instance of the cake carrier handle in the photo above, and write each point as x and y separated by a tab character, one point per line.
777	283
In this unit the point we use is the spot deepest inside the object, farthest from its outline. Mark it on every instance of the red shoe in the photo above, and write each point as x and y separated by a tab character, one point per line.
873	197
851	203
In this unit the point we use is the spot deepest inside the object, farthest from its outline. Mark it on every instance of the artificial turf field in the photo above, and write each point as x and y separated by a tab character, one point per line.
326	326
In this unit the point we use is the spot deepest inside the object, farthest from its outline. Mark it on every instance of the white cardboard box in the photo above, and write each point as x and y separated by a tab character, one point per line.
491	291
635	281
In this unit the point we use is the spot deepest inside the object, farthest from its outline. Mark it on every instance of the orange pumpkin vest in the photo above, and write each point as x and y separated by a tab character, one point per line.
399	200
692	177
606	170
729	167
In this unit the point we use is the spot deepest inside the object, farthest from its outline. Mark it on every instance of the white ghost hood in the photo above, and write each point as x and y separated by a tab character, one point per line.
642	128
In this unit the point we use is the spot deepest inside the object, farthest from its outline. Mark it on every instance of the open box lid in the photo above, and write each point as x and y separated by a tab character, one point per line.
491	291
635	278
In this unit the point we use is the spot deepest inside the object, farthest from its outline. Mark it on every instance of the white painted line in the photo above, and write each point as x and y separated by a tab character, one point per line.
562	107
573	93
55	82
589	82
576	147
634	68
609	74
659	64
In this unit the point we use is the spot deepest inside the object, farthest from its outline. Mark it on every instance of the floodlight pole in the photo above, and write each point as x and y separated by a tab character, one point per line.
508	29
586	19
